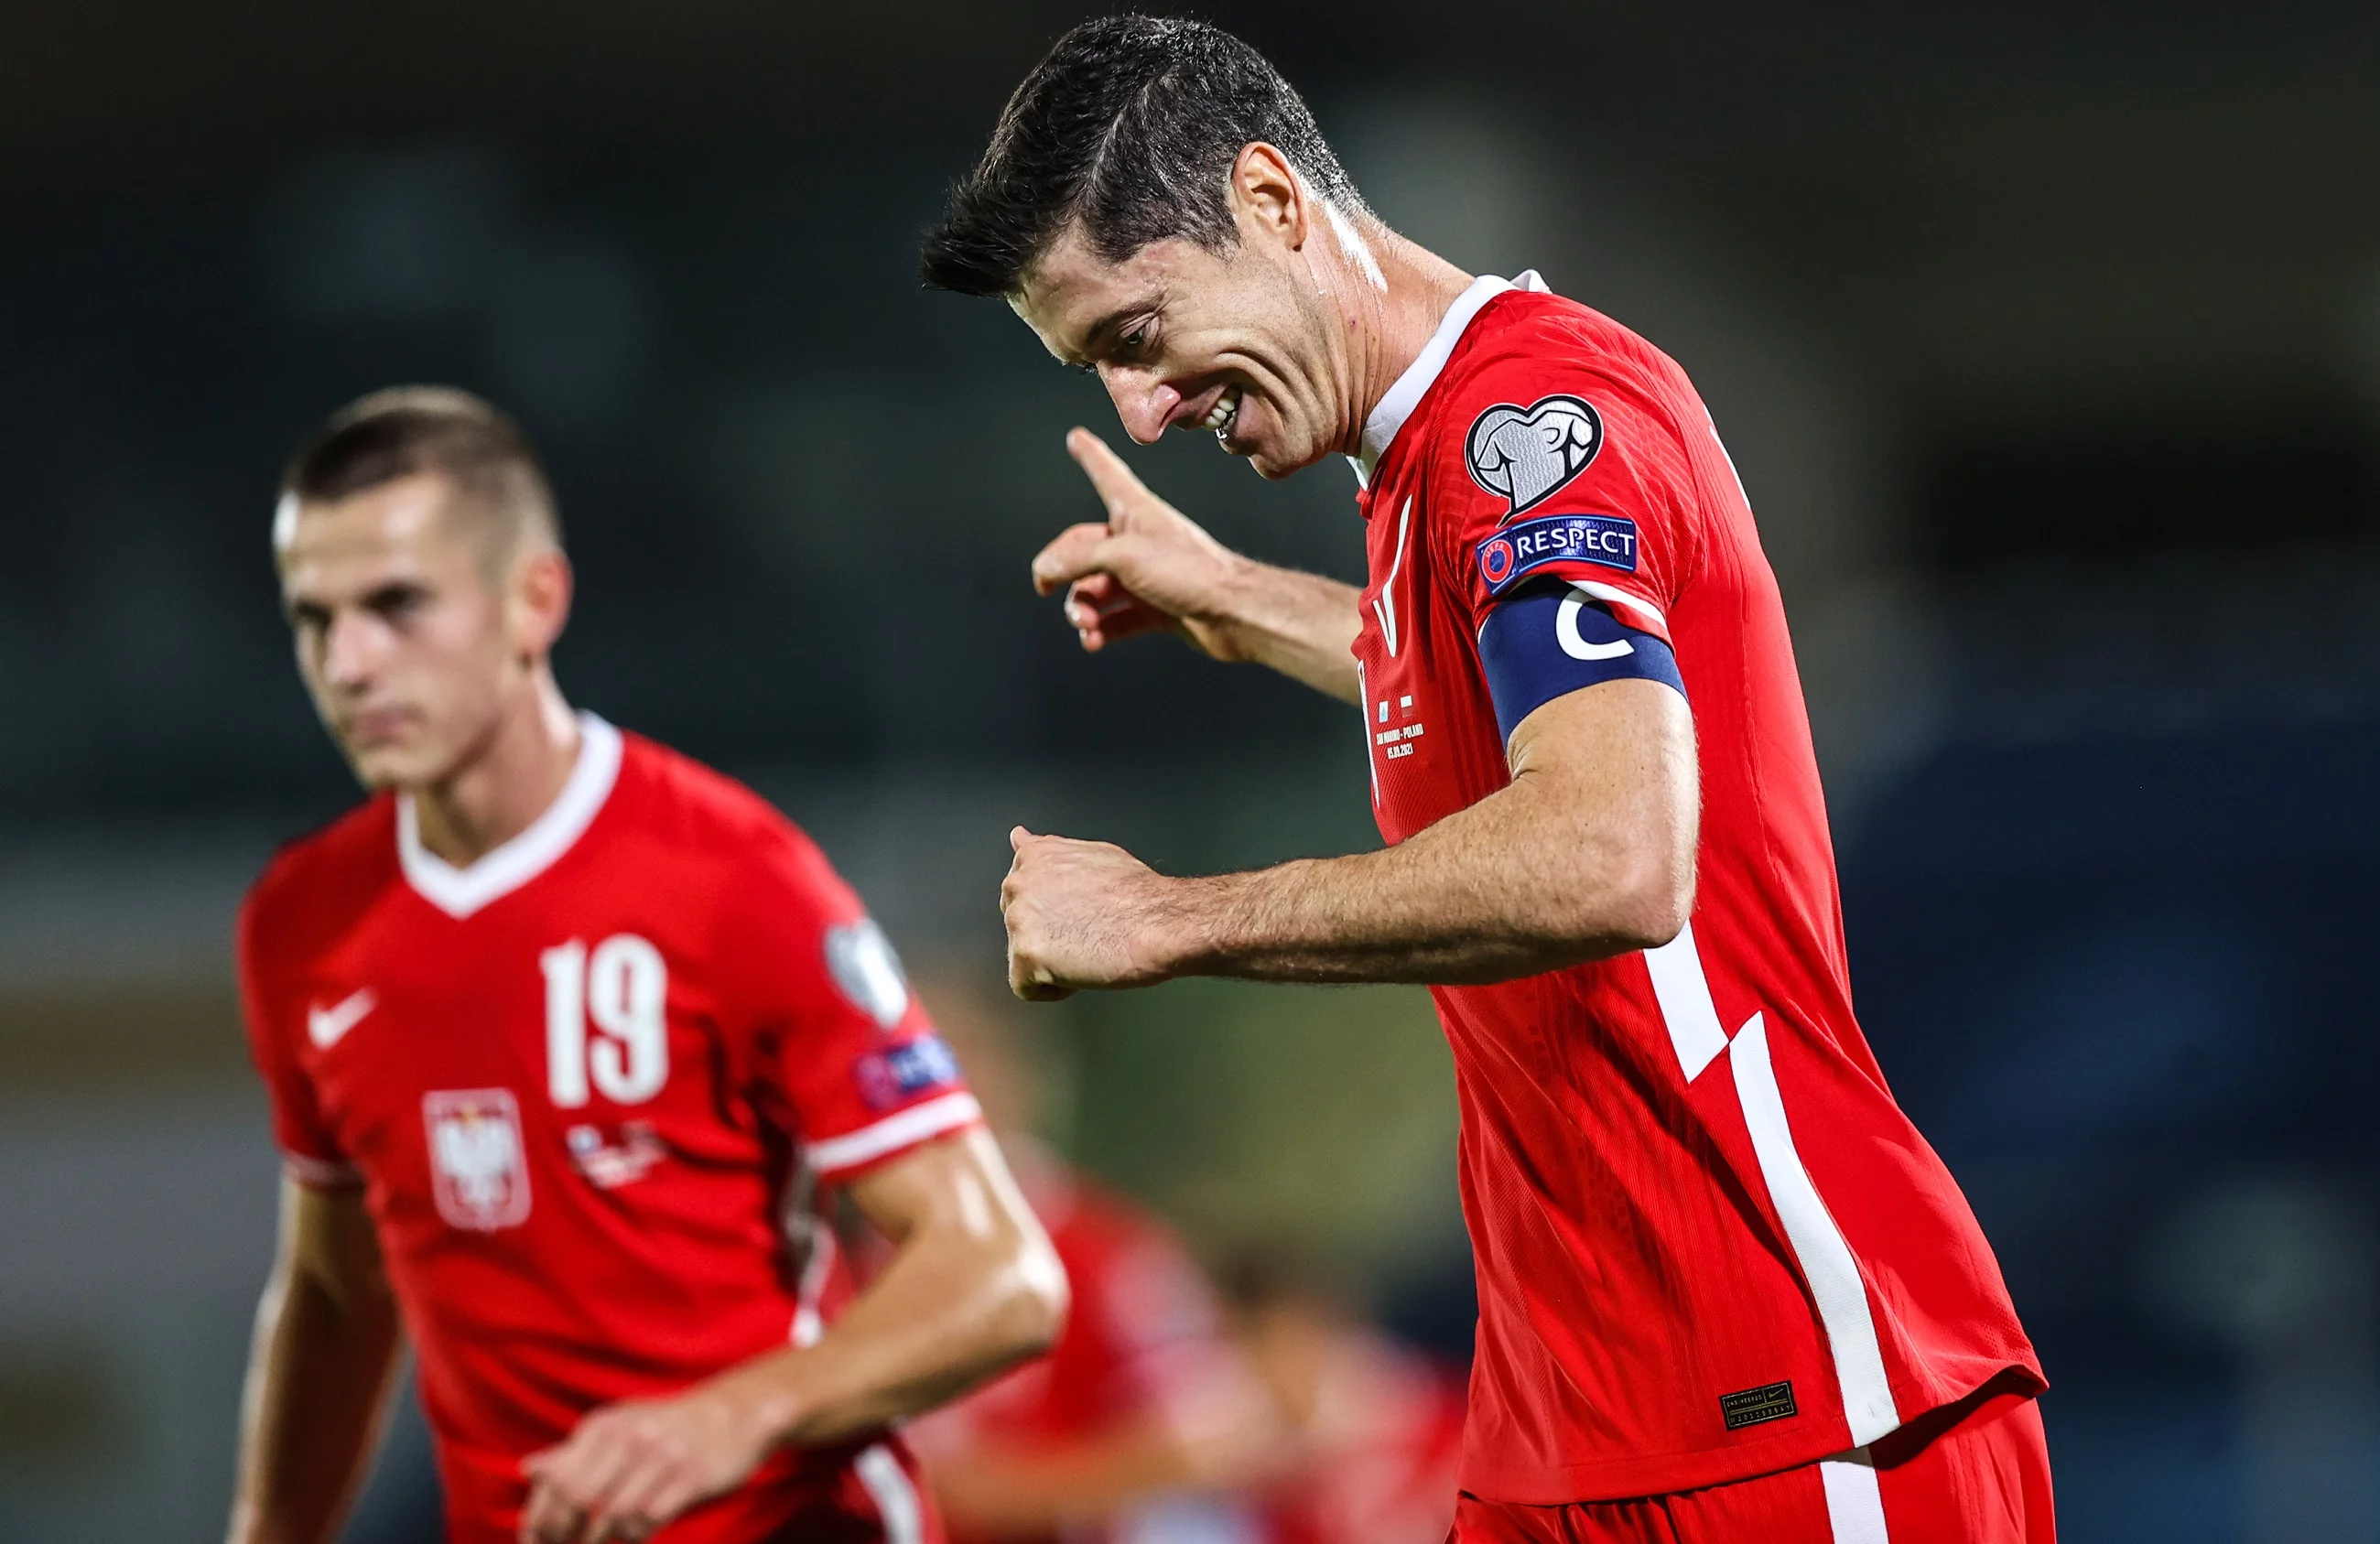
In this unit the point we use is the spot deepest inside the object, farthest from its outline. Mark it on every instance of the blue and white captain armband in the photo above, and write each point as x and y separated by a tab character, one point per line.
1549	637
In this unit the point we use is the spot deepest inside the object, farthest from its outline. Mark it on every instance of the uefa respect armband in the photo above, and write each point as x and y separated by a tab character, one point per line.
1519	549
1549	637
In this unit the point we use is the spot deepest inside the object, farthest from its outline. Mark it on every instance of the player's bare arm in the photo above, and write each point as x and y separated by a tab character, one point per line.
1587	853
972	1287
1150	567
326	1352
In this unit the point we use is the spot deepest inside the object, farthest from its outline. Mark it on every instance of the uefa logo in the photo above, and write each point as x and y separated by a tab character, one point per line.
1496	561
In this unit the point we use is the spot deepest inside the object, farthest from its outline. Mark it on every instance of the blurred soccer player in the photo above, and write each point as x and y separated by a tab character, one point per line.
562	1032
1717	1265
1372	1430
1144	1415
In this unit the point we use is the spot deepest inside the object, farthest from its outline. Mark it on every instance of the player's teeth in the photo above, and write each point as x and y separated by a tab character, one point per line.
1226	408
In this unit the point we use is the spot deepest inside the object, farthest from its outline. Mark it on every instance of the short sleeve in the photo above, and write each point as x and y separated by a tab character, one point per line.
1550	469
841	1045
308	1153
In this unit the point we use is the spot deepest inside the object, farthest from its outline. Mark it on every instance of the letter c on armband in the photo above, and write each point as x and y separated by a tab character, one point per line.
1566	633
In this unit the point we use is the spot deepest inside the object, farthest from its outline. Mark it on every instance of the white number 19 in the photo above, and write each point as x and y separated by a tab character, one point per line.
622	987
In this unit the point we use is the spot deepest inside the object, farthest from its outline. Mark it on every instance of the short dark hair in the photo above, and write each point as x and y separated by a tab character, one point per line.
1129	125
406	431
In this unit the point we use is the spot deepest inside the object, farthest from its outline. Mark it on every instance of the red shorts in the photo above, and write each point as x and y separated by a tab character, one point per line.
1982	1480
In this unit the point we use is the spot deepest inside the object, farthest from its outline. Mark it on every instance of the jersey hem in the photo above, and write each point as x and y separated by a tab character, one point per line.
1633	1475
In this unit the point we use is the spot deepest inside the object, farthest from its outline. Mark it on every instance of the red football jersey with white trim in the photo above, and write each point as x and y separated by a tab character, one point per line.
590	1085
1380	1458
1708	1242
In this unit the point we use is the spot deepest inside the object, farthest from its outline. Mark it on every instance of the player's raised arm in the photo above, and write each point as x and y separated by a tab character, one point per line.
972	1287
1149	567
318	1377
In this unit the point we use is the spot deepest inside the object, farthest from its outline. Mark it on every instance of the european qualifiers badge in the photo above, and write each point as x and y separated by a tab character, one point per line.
1526	454
1609	540
1770	1402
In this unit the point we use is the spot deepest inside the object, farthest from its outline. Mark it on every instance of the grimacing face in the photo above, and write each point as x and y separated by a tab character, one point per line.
1239	342
410	644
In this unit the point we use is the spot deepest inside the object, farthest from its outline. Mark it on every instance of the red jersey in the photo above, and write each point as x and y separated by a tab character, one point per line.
1143	1340
1383	1459
1709	1245
589	1084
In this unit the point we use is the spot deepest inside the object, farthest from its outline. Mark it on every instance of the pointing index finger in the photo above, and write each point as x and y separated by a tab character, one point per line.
1114	481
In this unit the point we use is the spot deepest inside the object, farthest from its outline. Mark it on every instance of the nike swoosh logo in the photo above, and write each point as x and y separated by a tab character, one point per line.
325	1026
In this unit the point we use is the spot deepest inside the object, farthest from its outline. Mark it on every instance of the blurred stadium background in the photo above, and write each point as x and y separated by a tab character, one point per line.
2046	338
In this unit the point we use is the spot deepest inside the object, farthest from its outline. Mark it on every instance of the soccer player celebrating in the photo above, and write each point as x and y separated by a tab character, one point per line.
1727	1292
564	1033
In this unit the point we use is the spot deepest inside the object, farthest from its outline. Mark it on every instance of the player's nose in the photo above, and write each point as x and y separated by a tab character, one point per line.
348	651
1143	402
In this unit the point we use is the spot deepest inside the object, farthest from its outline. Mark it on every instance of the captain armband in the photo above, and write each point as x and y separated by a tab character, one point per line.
1549	637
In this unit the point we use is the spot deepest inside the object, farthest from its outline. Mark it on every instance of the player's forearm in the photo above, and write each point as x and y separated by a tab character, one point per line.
962	1300
1302	624
317	1382
1587	853
1512	886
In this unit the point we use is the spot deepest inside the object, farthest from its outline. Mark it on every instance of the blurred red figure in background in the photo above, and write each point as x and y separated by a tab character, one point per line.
1144	1420
1374	1426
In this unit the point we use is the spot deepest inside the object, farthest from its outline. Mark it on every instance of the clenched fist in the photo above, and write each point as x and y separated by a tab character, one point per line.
1086	914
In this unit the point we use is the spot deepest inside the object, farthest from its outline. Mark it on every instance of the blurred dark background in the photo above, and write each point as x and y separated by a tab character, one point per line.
2047	339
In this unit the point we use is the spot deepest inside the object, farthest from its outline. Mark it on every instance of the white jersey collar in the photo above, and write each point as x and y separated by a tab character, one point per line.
460	892
1405	395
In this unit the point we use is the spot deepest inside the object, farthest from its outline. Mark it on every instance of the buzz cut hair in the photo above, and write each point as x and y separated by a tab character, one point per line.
1128	129
444	430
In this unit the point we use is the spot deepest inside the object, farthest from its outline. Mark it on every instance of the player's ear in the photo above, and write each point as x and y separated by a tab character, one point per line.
1267	197
540	600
